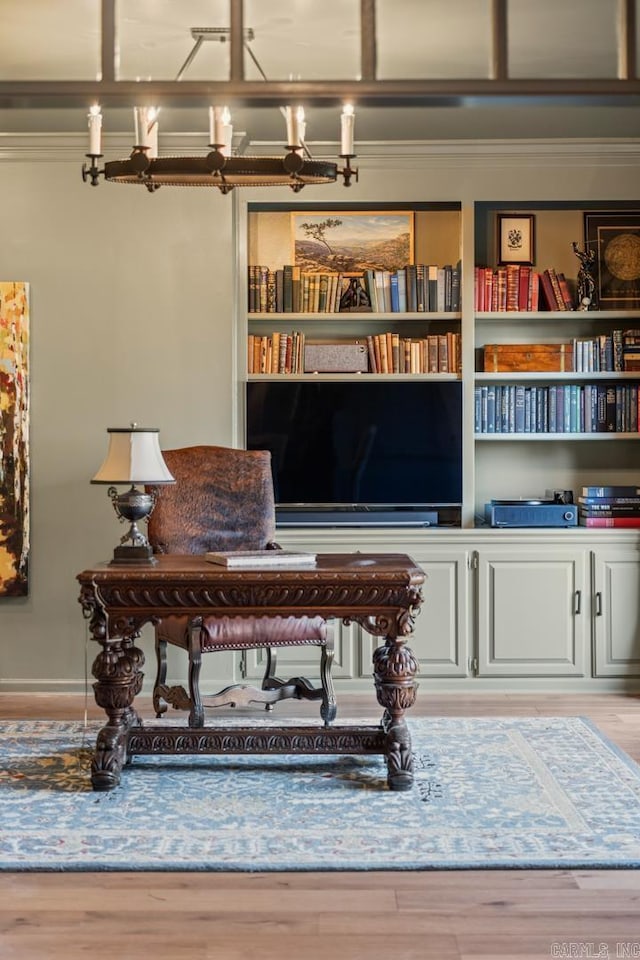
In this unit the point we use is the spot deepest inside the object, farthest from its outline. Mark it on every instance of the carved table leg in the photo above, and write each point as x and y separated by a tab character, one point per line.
395	668
118	681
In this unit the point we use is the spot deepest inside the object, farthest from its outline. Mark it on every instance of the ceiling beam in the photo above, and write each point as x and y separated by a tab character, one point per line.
39	94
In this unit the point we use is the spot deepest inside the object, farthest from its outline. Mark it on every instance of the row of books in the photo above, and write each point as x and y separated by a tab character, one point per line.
391	353
280	352
277	353
562	408
416	288
612	352
517	287
605	508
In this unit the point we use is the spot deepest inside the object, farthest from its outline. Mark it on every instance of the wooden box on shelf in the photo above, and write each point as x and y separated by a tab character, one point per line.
523	357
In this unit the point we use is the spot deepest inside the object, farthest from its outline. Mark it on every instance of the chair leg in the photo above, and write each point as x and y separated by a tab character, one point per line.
196	714
328	707
159	703
270	681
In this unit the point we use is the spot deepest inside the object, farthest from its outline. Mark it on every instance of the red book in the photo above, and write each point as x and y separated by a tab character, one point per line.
524	284
610	521
546	291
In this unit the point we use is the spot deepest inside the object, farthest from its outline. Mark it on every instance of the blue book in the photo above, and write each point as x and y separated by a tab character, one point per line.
477	410
395	293
567	408
402	291
534	409
519	408
491	408
484	399
498	419
612	491
553	409
574	420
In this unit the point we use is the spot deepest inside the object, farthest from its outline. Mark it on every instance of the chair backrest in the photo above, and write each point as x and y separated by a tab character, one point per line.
222	500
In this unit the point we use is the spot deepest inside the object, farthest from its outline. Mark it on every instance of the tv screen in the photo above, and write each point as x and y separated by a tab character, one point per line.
345	443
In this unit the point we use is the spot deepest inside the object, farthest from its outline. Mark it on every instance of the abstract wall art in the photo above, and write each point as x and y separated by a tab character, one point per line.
14	439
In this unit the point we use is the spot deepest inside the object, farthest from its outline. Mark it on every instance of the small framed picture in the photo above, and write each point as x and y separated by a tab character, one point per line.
516	238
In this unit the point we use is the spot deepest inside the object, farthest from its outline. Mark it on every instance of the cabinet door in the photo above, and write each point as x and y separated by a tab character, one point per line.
440	639
616	612
532	612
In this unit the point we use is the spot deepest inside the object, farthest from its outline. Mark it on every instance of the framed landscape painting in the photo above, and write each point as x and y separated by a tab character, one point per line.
14	439
615	239
352	242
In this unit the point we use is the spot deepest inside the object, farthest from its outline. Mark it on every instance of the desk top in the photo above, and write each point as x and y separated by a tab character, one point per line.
329	567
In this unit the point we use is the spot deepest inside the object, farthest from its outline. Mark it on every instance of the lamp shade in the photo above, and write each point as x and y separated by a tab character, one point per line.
133	457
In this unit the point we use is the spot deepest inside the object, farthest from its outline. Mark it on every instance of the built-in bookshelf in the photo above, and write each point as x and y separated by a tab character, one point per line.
546	371
551	392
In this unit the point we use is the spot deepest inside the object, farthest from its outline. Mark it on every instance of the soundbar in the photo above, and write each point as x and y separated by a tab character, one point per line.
356	518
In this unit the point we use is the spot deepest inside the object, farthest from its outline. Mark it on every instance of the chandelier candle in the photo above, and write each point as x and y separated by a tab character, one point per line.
142	125
95	125
220	129
347	123
294	117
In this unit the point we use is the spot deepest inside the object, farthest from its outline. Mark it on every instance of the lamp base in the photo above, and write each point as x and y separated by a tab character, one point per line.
132	554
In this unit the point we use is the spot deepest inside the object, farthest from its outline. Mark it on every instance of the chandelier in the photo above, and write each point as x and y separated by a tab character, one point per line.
219	167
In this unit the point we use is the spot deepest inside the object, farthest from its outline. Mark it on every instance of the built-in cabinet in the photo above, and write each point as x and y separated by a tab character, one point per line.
512	605
555	607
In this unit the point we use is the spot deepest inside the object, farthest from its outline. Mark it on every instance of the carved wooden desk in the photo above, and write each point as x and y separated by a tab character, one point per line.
381	592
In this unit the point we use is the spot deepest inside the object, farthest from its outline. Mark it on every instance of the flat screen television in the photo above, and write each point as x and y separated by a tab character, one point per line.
358	446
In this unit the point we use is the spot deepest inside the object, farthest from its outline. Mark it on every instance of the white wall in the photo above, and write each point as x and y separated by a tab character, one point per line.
132	318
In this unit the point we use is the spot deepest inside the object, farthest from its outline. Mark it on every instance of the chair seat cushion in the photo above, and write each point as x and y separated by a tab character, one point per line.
240	633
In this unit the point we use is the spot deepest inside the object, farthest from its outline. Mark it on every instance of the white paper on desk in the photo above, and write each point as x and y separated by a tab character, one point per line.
260	558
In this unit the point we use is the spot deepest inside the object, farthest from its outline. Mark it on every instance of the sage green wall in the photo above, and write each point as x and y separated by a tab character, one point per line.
132	318
131	306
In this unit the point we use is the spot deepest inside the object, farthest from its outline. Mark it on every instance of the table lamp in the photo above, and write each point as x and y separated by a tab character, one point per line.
133	457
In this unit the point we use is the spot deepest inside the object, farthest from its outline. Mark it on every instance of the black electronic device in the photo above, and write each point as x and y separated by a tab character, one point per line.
357	446
531	513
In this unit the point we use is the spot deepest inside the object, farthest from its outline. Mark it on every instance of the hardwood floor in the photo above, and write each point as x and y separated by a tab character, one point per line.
445	915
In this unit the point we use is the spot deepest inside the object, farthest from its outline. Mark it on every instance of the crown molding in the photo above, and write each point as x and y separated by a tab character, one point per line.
63	147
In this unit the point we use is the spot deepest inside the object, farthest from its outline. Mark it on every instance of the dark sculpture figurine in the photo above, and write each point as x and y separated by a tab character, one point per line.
587	299
355	296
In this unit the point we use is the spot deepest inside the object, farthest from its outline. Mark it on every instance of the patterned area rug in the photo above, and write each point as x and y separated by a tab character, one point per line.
490	792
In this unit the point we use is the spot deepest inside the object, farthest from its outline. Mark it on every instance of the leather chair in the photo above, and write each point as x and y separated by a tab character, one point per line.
223	500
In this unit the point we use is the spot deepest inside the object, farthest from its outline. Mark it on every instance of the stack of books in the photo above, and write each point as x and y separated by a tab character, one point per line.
616	506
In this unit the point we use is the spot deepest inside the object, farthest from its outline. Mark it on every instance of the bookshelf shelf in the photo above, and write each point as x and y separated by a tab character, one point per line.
554	316
549	377
554	437
355	317
351	376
